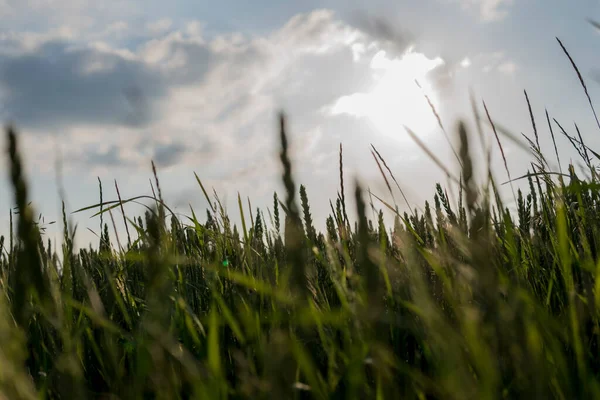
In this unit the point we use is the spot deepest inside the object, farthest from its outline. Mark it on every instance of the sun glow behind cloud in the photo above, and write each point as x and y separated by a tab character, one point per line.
396	98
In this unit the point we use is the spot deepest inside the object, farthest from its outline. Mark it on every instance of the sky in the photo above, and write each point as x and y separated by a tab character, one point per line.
97	90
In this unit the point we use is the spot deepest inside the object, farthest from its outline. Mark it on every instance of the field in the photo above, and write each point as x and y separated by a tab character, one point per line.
462	300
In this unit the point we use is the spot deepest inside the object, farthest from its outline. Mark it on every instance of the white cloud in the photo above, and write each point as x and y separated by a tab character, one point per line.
507	67
194	28
396	99
487	10
160	26
495	61
117	28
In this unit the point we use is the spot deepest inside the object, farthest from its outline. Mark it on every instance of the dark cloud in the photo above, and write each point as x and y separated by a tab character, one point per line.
164	155
56	86
168	154
392	38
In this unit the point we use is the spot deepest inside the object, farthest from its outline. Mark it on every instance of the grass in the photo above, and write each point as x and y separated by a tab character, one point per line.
454	302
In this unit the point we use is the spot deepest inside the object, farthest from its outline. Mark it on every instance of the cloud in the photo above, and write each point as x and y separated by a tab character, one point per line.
169	154
495	61
109	158
57	85
163	154
160	26
76	14
397	99
388	35
46	80
507	67
487	10
186	100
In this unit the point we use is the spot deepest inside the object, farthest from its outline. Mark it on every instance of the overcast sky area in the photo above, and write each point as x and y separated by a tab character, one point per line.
105	87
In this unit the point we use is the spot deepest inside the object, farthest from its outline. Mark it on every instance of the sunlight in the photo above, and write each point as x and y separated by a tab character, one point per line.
395	99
